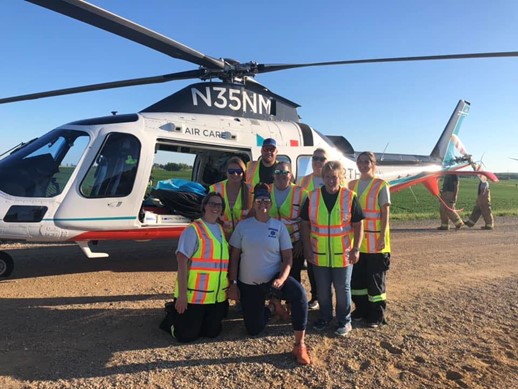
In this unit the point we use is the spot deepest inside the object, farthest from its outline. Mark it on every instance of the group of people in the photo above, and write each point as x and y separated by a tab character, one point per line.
259	228
449	193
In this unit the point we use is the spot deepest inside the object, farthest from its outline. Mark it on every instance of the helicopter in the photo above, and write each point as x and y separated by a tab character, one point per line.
89	180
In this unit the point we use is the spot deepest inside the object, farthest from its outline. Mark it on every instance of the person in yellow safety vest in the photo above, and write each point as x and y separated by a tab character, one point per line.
482	206
449	193
262	169
314	180
332	232
309	183
287	200
202	281
368	284
236	193
260	264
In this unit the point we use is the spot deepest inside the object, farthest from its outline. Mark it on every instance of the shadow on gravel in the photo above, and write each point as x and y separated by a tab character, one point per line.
125	256
81	337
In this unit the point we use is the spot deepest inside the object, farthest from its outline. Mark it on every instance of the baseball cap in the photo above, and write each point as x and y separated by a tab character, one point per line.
270	142
261	190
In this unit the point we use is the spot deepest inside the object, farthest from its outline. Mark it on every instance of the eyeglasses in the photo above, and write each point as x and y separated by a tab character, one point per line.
263	201
269	149
214	204
319	159
283	172
235	171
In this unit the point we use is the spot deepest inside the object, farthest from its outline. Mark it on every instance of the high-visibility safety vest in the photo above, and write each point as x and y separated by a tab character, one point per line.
233	215
252	173
331	232
307	183
207	280
289	211
372	212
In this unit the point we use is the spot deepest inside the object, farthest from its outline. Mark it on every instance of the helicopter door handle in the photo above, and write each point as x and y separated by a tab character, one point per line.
115	204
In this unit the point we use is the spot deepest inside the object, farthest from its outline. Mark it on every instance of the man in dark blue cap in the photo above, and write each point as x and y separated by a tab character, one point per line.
262	170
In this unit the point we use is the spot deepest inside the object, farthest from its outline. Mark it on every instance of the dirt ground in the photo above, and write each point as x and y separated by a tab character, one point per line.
69	322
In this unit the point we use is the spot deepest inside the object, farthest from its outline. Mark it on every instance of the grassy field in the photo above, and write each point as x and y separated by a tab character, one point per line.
418	203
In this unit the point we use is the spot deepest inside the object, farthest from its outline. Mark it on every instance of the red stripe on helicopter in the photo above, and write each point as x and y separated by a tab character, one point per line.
137	234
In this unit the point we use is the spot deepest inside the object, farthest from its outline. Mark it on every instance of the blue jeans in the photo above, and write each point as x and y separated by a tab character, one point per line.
340	278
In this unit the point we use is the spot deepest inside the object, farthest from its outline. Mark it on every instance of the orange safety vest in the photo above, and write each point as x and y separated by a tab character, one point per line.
231	216
289	211
208	267
331	232
252	173
372	212
307	183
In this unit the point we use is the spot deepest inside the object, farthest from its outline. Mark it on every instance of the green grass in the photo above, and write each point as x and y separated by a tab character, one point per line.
418	203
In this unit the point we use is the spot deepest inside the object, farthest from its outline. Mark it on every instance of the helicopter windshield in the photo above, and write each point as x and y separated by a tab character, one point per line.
43	167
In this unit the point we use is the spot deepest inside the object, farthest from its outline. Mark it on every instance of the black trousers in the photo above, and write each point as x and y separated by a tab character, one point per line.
199	320
368	286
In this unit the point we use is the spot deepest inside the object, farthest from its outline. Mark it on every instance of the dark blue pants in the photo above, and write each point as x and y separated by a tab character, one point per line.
256	315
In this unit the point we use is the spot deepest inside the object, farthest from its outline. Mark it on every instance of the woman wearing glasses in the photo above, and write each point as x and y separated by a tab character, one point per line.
200	293
236	194
261	250
287	200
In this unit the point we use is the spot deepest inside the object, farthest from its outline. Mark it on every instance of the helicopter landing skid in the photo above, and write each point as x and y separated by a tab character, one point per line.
85	248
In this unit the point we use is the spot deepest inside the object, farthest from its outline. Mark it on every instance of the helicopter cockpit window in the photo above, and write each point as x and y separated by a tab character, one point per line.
114	169
42	168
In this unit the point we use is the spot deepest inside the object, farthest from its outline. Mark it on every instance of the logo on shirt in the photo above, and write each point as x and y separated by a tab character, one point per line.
272	232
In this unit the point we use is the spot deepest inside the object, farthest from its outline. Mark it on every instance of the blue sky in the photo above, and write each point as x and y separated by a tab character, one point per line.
402	105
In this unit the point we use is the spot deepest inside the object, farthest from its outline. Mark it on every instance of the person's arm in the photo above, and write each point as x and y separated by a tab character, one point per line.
181	300
233	290
354	254
385	214
287	262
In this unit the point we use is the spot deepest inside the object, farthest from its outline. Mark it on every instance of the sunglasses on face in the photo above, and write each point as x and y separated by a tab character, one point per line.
319	159
235	171
283	172
262	201
269	149
213	204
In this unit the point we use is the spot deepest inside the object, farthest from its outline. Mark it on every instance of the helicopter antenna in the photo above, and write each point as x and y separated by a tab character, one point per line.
383	152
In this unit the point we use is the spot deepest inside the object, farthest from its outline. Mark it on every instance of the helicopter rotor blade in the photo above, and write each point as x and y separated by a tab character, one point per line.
264	68
98	17
109	85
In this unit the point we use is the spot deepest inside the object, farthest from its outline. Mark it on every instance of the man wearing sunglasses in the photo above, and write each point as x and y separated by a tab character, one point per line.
262	169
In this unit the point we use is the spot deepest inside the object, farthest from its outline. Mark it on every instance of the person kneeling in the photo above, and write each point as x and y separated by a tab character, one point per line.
200	295
261	248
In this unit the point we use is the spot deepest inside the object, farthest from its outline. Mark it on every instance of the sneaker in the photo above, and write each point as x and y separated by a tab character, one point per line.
313	304
301	353
486	227
343	330
320	325
443	228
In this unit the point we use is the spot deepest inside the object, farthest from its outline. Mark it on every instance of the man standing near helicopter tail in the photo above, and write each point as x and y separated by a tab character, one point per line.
449	193
369	273
482	206
262	169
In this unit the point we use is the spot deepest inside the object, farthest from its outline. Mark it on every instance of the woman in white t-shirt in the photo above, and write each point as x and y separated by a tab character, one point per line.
262	251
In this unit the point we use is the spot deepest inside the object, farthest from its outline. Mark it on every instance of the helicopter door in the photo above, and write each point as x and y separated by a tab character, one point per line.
109	194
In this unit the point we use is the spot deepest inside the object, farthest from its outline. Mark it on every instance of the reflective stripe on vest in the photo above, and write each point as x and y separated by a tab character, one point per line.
372	212
231	216
252	173
289	211
307	183
331	233
208	267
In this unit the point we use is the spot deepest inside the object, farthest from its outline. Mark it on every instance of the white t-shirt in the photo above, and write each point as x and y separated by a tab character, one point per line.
260	244
188	242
